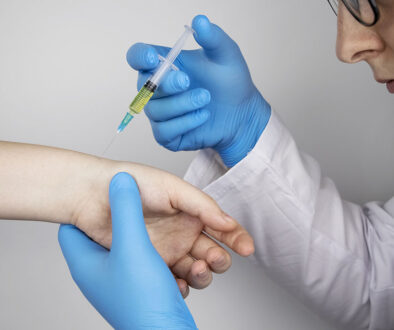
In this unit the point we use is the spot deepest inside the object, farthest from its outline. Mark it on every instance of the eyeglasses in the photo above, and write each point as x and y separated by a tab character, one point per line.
364	11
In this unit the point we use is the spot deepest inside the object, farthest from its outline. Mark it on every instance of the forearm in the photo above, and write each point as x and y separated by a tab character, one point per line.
43	183
56	185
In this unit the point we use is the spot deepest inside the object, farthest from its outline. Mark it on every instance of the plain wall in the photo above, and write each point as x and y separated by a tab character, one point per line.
64	82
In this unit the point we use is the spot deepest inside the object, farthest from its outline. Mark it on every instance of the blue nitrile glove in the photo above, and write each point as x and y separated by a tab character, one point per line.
130	286
211	102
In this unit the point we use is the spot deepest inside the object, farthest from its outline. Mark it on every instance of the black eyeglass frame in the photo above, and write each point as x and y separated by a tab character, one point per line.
373	5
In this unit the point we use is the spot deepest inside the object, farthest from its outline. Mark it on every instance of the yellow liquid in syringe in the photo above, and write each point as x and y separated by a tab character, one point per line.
138	104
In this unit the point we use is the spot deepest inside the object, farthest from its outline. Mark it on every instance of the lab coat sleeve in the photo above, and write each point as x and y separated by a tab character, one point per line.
336	256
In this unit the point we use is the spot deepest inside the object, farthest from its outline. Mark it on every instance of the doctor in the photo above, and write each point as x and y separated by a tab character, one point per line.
336	256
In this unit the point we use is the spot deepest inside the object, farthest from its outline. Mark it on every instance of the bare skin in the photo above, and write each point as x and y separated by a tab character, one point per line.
374	45
49	184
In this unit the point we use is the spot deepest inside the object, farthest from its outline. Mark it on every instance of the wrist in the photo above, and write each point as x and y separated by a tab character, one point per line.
256	113
94	184
94	176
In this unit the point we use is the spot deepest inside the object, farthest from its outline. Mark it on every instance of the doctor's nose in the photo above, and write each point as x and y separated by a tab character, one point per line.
356	42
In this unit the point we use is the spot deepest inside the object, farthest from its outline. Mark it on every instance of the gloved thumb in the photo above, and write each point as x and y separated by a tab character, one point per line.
129	234
217	45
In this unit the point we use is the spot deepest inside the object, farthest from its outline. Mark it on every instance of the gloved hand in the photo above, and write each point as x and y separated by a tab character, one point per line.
211	102
130	286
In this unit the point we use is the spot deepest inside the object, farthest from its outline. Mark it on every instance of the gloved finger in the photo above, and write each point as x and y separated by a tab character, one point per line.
196	272
238	239
195	203
166	131
174	106
78	249
173	82
191	140
217	45
142	57
204	248
129	235
183	287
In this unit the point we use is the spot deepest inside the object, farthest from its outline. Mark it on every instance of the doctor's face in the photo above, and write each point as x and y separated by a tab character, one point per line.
375	44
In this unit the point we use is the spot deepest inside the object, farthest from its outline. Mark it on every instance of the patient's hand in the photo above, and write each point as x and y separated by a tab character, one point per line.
50	184
177	216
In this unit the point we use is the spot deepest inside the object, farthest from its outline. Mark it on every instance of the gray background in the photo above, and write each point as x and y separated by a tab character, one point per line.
64	82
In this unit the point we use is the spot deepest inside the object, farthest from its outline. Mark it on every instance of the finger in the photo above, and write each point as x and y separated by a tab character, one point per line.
129	235
167	131
237	240
192	140
142	57
174	106
218	259
174	82
183	287
215	42
195	272
78	249
192	201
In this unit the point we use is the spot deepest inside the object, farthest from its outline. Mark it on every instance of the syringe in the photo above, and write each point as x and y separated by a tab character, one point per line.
149	88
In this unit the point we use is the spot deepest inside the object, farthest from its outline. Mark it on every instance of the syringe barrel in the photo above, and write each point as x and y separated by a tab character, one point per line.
165	66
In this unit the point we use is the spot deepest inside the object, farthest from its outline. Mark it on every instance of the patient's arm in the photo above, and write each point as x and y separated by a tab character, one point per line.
41	183
49	184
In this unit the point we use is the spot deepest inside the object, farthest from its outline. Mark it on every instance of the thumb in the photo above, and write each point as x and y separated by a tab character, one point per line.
217	44
79	250
129	235
194	202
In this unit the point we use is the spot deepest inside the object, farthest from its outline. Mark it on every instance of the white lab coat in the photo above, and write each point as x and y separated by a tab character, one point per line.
336	256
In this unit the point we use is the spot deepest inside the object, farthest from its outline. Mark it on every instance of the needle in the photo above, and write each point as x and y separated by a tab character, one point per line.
110	144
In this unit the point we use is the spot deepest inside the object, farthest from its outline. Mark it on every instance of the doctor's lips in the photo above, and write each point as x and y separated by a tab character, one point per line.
389	84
